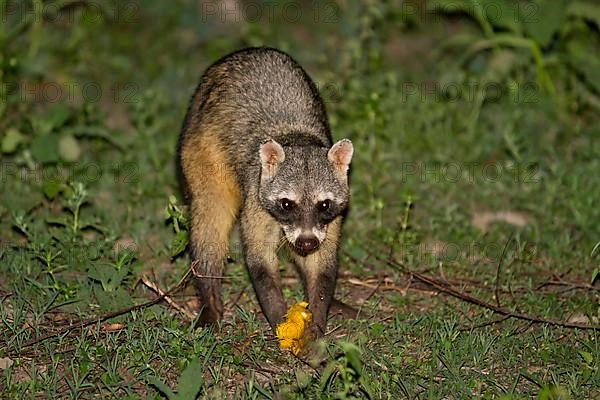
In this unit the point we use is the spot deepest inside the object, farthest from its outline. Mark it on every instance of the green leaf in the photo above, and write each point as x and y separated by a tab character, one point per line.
11	140
190	381
366	387
553	393
57	115
162	387
109	277
544	20
179	243
45	149
100	273
303	379
327	376
587	357
51	188
352	354
596	248
583	61
69	148
41	126
585	10
473	8
502	14
590	69
111	301
595	274
377	329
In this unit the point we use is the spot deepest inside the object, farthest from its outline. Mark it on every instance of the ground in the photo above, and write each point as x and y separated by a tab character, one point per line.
475	176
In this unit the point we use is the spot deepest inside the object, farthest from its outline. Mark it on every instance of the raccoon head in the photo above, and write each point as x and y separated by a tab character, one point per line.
305	188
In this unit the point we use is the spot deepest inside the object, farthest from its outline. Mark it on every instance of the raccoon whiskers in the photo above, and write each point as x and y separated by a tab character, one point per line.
282	242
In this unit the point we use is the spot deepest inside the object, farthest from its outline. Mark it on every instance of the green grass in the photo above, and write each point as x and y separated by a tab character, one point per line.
452	123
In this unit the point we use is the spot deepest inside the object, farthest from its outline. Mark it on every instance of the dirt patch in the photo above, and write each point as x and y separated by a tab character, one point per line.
482	220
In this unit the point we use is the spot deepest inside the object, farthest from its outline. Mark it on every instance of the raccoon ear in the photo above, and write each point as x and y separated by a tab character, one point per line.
340	156
271	155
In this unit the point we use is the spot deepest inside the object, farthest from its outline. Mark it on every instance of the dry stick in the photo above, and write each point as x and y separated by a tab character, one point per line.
473	300
497	290
90	321
188	314
388	286
375	289
571	285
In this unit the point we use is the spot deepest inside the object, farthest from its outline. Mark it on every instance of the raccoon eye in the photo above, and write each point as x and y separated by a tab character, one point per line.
287	204
324	205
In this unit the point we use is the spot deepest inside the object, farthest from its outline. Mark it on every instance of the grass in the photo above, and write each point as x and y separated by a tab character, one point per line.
456	159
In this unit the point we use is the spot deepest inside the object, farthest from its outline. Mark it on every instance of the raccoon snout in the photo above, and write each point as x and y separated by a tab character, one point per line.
306	244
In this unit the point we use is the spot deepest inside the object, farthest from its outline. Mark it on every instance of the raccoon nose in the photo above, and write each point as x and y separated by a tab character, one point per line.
306	244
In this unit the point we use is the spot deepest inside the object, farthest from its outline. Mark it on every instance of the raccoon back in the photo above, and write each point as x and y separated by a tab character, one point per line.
257	94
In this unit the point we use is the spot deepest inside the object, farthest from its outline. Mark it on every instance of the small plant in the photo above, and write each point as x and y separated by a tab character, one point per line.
346	369
20	224
49	258
189	384
75	201
553	393
406	236
175	214
558	36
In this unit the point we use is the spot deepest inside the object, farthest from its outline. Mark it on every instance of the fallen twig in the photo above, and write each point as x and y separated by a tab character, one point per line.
90	321
478	302
571	286
187	313
496	309
375	289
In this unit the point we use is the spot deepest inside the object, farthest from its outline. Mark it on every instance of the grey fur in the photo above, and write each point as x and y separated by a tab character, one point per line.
253	96
258	94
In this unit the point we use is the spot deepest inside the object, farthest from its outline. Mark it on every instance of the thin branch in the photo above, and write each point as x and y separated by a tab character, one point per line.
500	310
478	302
571	285
91	321
187	313
374	290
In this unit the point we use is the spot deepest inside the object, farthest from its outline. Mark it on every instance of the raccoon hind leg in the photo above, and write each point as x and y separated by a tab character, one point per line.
214	204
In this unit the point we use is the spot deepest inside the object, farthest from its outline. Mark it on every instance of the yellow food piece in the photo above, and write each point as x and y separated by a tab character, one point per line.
291	331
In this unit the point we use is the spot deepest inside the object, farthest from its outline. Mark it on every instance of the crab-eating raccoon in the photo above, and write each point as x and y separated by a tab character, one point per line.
256	146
